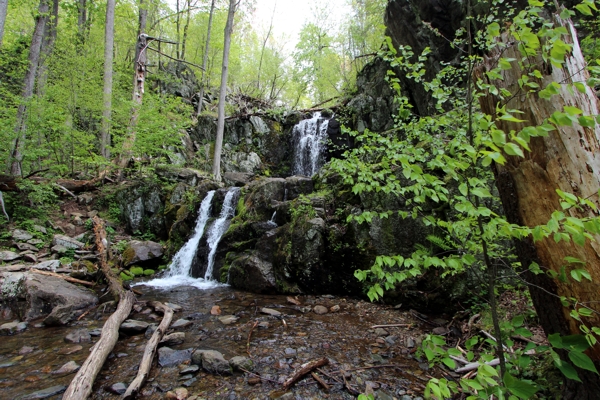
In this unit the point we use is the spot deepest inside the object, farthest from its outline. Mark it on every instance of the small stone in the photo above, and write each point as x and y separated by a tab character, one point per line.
320	310
39	228
25	350
177	394
133	327
59	249
263	324
21	235
96	332
293	301
212	361
45	393
67	242
117	388
51	265
335	308
70	349
189	382
174	307
78	336
270	311
381	332
254	381
8	255
410	343
228	319
173	339
30	257
192	369
290	352
92	214
239	363
181	323
68	368
215	310
167	357
440	330
11	328
26	246
35	241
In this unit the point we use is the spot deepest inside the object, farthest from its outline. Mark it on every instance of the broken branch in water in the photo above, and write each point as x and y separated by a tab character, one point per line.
303	370
249	336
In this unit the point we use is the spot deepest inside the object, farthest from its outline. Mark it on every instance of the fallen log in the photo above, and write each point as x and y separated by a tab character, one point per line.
10	183
150	351
66	278
304	369
81	385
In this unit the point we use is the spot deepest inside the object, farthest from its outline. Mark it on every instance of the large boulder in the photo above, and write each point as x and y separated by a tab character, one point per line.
145	253
37	296
141	205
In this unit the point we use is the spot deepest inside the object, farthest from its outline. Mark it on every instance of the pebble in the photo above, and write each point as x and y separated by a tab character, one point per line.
95	332
173	339
181	323
131	326
190	370
270	311
335	308
177	394
320	310
215	310
174	307
11	328
68	368
70	349
228	319
290	352
78	336
25	350
381	332
117	388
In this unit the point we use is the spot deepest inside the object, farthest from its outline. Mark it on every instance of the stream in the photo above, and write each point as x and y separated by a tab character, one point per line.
29	361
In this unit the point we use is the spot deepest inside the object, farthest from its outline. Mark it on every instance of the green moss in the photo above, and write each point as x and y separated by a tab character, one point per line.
128	255
125	277
162	267
148	272
137	271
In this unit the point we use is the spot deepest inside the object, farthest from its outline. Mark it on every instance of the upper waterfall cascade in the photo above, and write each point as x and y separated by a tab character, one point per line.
309	139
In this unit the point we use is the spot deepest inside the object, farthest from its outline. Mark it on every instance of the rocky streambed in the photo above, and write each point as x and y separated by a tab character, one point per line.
228	344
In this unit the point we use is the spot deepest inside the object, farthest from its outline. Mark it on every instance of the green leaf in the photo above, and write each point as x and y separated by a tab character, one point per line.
567	370
575	342
519	388
513	150
580	87
584	9
517	321
582	361
449	362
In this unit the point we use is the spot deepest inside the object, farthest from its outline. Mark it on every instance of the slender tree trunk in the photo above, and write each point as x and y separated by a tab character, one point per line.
50	33
177	26
109	39
262	52
567	159
81	22
16	153
205	58
3	11
233	4
185	29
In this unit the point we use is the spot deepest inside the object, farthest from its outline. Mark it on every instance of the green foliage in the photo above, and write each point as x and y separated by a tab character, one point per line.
136	271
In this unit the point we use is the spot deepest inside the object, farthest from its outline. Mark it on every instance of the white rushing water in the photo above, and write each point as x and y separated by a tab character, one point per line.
219	228
179	270
309	138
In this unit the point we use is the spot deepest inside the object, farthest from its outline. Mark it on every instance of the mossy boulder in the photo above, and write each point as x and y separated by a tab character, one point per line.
142	253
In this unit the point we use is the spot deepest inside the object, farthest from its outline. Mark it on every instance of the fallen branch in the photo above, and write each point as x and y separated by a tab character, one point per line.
150	351
66	278
81	385
475	365
321	381
64	189
249	336
391	326
303	370
349	388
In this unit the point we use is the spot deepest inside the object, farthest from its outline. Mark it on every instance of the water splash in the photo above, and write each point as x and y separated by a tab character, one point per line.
309	138
219	228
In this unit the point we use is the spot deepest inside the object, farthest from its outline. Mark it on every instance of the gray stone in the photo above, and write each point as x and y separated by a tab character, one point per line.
21	235
70	349
212	361
45	393
11	328
320	310
290	352
8	255
66	241
237	178
133	327
180	324
118	388
381	332
46	296
173	339
168	357
26	246
51	265
270	311
239	363
30	258
68	368
228	319
59	249
35	241
39	228
192	369
297	185
78	336
142	251
174	307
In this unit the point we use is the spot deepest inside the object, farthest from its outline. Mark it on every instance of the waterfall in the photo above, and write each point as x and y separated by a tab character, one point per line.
309	138
219	228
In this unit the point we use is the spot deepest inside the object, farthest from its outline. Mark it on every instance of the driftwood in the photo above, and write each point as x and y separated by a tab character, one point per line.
81	385
303	370
65	277
150	351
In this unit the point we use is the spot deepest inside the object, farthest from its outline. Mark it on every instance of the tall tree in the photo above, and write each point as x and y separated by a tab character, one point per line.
16	153
50	33
3	11
82	21
233	5
205	58
109	39
264	45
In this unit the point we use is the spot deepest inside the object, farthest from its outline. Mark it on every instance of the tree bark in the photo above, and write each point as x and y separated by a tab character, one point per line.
50	33
3	11
233	4
567	160
81	385
16	153
205	58
82	24
109	40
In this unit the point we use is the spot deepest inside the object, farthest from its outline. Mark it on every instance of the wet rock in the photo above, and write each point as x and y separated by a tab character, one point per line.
142	252
192	369
150	331
96	332
78	336
8	255
70	349
174	307
239	363
173	339
212	361
133	327
320	310
117	388
270	311
11	328
50	265
228	319
21	235
253	271
68	368
177	394
45	393
180	324
168	357
66	241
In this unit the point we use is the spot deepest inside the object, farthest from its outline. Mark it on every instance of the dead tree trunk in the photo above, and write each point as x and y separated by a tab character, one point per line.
567	159
18	145
81	385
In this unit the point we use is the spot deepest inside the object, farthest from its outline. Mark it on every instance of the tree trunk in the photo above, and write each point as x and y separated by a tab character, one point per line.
205	59
185	29
16	153
50	33
3	11
262	51
567	160
233	4
82	21
109	39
